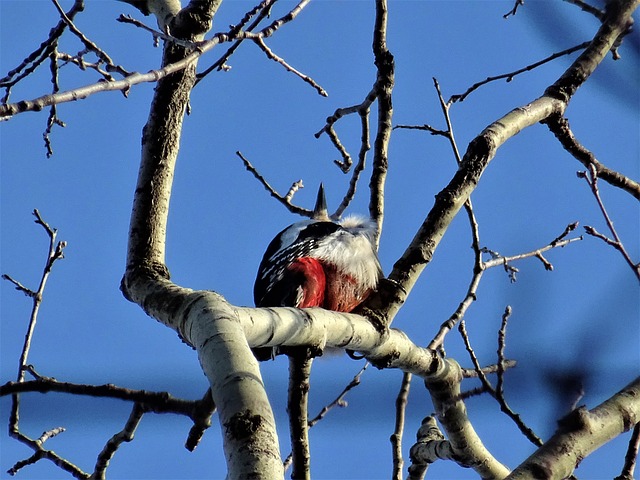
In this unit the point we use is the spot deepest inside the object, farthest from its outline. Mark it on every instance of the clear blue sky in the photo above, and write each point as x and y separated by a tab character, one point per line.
583	315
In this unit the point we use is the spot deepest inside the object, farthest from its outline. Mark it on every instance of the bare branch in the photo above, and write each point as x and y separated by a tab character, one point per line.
300	361
425	127
385	80
481	266
89	45
55	253
514	10
501	367
21	288
35	59
345	164
396	437
631	456
584	6
510	76
269	30
339	401
157	33
112	446
269	53
41	453
286	199
581	432
505	261
489	369
152	76
157	402
430	445
262	10
202	413
468	450
480	153
592	180
53	114
559	126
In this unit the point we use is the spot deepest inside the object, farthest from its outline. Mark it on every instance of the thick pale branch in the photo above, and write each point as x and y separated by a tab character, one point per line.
390	297
451	199
582	432
466	447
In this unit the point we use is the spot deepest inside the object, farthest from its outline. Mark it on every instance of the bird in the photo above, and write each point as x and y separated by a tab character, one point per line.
320	262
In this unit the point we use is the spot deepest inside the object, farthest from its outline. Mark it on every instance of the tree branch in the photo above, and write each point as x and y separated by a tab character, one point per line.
591	177
396	436
582	432
631	456
300	362
389	298
559	126
172	65
467	448
384	62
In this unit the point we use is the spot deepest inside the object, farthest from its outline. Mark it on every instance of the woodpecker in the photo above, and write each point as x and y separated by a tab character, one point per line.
320	262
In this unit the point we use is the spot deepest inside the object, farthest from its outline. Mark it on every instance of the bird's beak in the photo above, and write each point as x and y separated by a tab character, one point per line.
320	211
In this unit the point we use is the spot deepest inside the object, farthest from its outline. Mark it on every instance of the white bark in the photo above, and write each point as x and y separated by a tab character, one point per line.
582	432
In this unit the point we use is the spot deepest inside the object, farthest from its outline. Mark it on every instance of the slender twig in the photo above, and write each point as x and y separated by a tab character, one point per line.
35	58
7	110
585	7
339	401
286	199
591	177
425	127
55	253
502	341
157	33
53	113
396	437
514	10
262	10
19	286
156	402
510	76
499	260
41	454
269	53
365	146
631	455
489	369
363	109
112	446
504	407
295	186
101	54
346	162
82	64
380	92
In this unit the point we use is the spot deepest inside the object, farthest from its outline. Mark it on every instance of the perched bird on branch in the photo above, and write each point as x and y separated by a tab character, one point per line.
320	262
